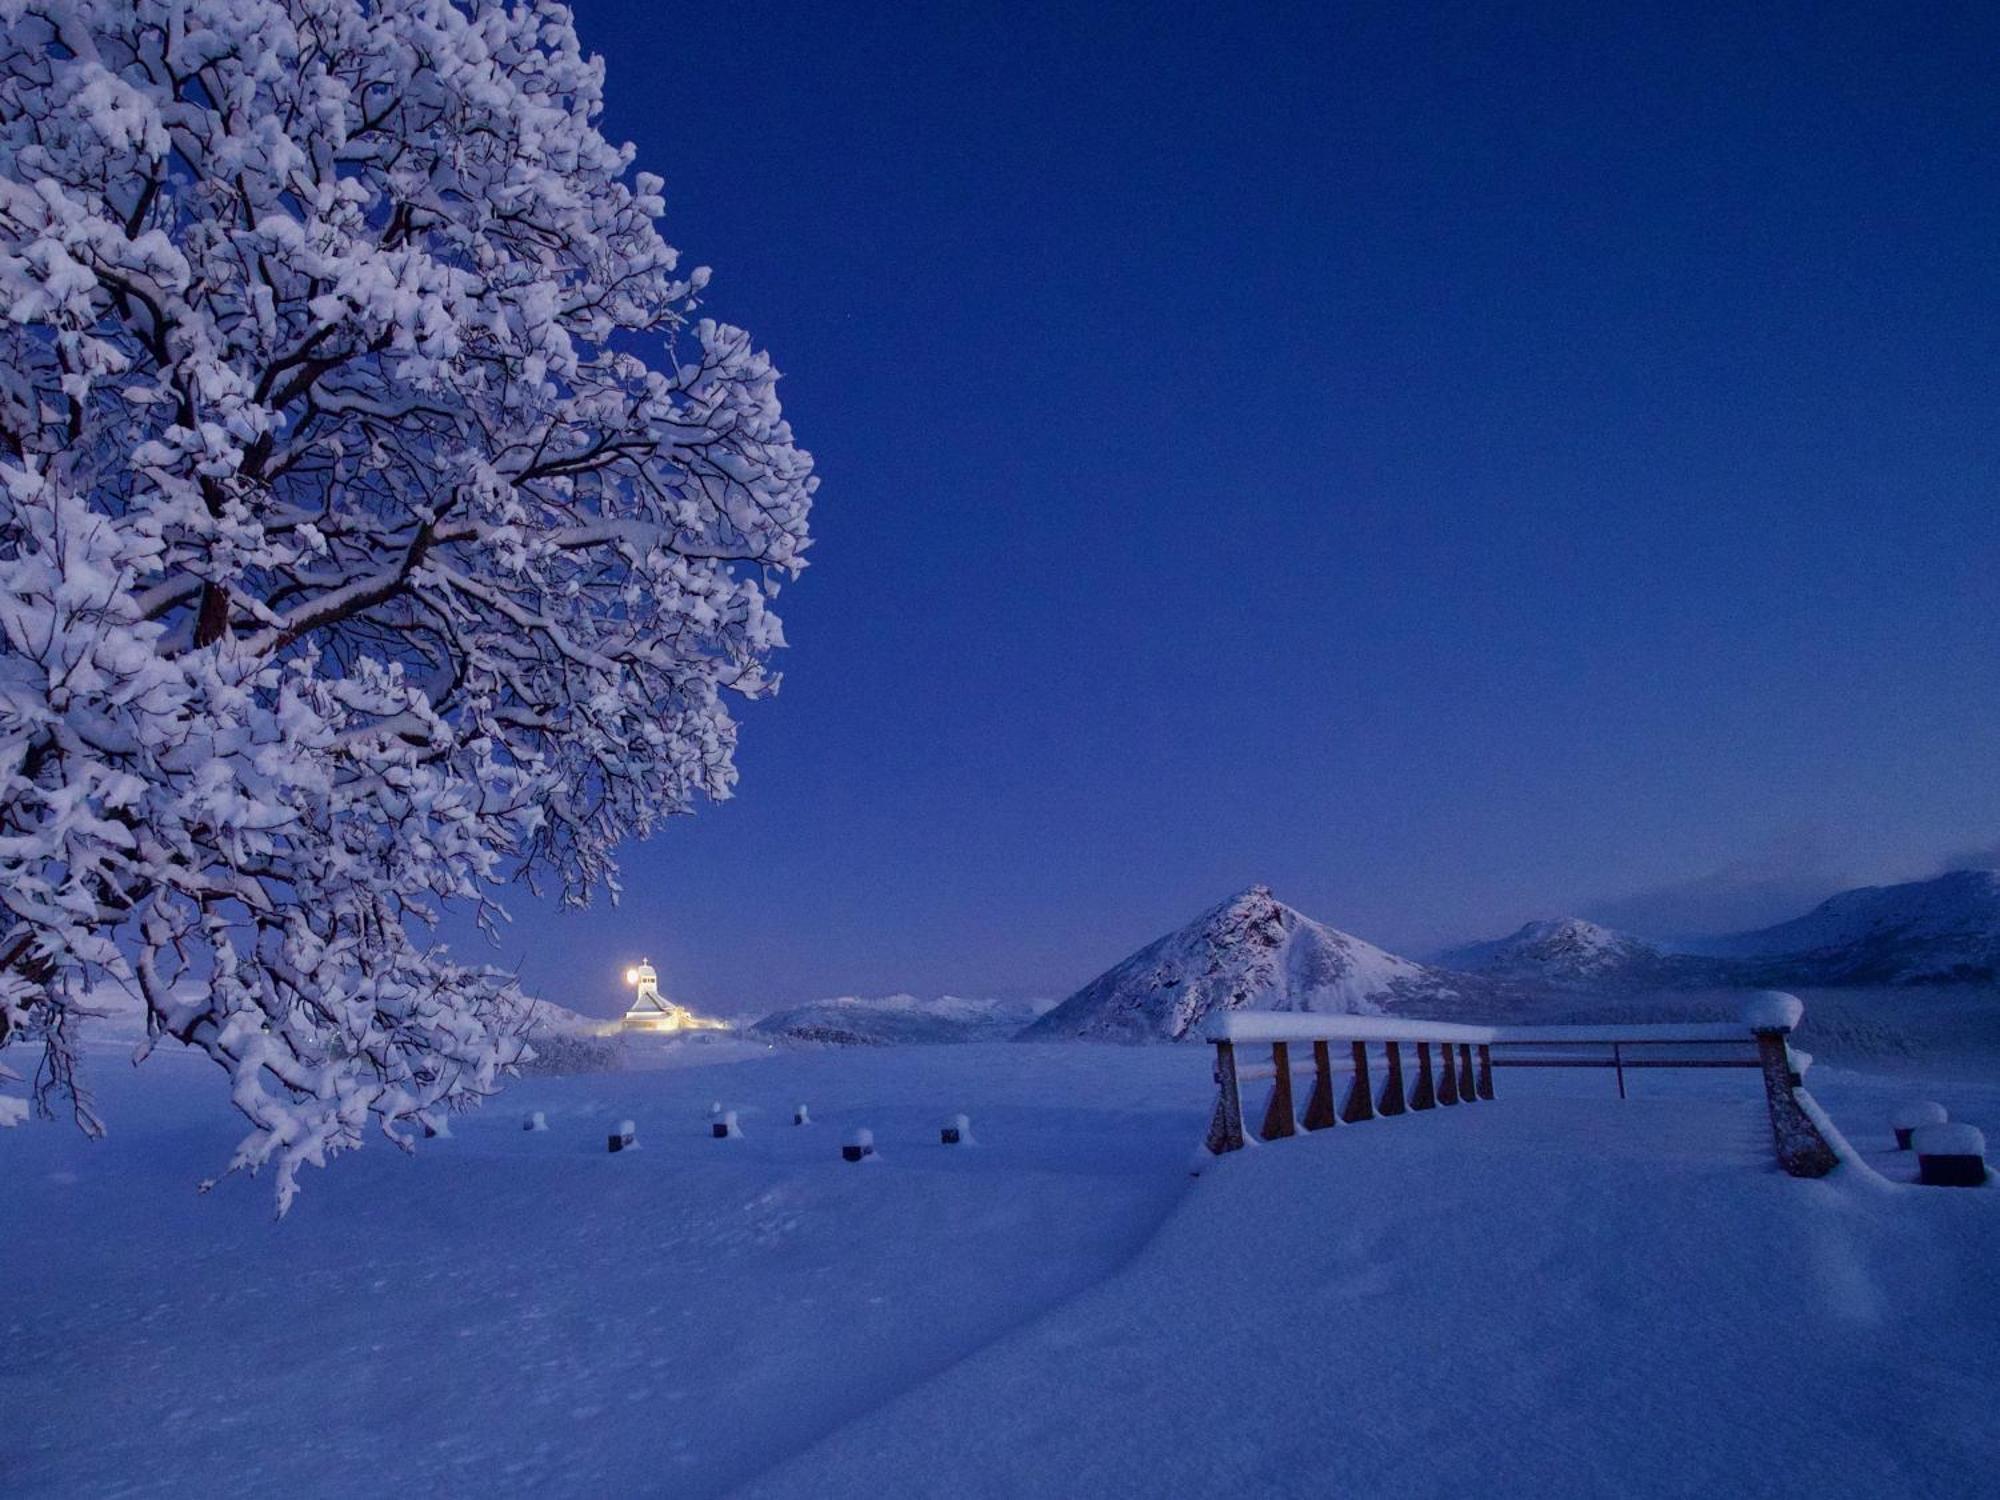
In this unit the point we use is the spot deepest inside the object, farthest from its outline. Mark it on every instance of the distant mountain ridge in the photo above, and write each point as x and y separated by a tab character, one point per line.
892	1020
1565	950
1945	930
1940	931
1252	952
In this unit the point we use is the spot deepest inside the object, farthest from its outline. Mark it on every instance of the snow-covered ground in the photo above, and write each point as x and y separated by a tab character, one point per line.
510	1312
1554	1293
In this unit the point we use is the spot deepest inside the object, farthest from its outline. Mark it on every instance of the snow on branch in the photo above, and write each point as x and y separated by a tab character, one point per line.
380	522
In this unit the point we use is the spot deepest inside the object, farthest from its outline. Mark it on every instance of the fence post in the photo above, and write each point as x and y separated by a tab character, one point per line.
1802	1150
1319	1108
1225	1130
1360	1097
1467	1089
1278	1118
1485	1071
1392	1086
1424	1097
1447	1075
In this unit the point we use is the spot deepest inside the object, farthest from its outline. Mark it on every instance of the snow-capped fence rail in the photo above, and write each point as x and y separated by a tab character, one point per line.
1451	1064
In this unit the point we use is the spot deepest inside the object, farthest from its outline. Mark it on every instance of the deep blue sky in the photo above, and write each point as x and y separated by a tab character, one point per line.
1453	469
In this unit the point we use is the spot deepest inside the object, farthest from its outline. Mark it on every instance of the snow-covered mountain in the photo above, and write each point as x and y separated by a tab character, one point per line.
1945	930
1250	953
890	1020
1567	951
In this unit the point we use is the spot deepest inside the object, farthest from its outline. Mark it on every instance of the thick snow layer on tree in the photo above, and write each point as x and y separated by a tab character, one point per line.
381	520
1581	1295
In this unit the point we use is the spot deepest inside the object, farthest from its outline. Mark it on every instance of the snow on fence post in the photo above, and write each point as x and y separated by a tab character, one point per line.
1423	1096
1802	1150
1391	1102
1360	1096
1278	1120
1225	1130
1319	1108
1759	1041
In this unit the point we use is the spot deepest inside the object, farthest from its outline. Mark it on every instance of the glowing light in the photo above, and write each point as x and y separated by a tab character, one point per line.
652	1011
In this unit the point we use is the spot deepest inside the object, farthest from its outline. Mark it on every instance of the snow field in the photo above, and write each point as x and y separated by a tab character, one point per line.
1553	1293
514	1312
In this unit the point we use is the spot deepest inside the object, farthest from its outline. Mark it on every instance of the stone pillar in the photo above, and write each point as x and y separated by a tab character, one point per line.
1225	1130
1802	1150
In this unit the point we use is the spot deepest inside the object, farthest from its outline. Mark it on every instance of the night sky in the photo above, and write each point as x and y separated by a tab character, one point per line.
1453	469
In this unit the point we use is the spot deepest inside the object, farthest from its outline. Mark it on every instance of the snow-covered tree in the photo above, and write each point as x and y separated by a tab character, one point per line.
379	523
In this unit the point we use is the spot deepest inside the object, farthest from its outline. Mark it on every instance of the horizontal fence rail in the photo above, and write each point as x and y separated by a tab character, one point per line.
1430	1064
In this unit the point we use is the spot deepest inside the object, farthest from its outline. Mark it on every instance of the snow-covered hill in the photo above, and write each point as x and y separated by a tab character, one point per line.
1927	931
1567	951
894	1020
1250	953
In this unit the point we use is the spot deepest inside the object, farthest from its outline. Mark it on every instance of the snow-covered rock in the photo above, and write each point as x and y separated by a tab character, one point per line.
899	1020
1250	953
1918	1112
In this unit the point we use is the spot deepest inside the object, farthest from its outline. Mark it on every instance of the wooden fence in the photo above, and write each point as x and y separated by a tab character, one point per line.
1434	1064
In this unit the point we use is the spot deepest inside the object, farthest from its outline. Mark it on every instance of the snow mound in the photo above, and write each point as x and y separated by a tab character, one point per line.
1918	1112
1250	953
1948	1140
